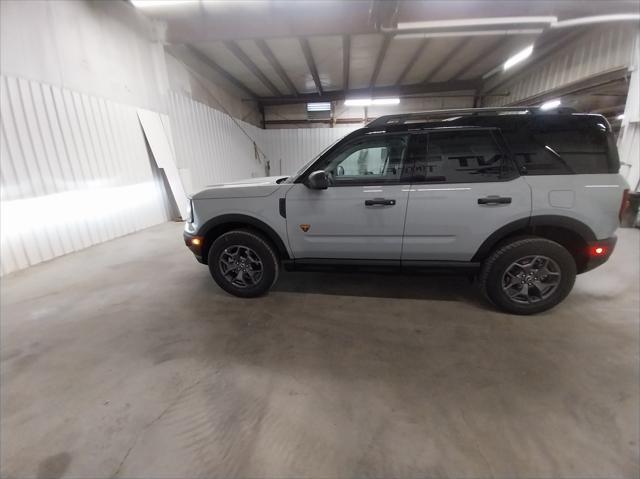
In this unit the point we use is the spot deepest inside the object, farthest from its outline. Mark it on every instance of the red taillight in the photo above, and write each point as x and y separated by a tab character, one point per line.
598	250
625	204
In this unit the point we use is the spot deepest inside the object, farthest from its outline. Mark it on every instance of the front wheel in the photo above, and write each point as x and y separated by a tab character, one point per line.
528	276
243	263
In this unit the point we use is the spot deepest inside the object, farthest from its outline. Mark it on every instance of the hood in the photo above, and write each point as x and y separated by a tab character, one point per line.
249	188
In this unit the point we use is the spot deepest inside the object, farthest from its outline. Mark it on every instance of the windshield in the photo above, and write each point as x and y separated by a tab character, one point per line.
292	178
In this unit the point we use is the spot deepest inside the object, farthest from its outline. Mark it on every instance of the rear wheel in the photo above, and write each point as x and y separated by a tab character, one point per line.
528	275
243	263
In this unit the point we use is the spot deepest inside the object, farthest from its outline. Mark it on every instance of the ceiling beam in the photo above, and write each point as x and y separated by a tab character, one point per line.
478	59
346	60
308	56
447	58
401	91
414	58
234	48
208	62
381	54
275	64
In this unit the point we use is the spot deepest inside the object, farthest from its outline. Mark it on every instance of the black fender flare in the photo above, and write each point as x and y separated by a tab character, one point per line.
529	225
247	220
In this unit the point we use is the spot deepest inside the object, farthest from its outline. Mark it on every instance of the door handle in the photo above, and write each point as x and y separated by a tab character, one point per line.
379	201
494	200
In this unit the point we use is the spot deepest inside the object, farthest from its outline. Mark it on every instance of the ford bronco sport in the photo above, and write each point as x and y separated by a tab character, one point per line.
523	199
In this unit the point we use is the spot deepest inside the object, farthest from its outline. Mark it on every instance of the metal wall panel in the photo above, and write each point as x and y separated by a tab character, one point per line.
74	172
211	147
289	149
601	50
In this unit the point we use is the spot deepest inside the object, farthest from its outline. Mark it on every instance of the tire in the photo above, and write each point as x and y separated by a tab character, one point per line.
528	275
249	254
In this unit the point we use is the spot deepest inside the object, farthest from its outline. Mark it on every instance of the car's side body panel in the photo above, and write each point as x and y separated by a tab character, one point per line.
336	222
207	211
592	199
446	222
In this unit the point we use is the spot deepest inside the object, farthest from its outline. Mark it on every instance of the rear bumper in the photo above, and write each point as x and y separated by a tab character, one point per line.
595	258
194	247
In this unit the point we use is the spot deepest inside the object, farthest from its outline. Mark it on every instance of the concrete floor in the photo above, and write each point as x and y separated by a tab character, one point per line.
126	360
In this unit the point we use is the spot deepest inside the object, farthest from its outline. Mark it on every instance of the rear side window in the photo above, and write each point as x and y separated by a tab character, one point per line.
456	156
561	145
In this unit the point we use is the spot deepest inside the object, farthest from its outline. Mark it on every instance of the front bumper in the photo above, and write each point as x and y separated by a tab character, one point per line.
195	243
598	252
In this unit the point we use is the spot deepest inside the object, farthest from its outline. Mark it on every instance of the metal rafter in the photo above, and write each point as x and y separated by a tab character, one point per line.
204	59
234	48
447	59
346	60
306	49
381	54
403	91
275	64
414	58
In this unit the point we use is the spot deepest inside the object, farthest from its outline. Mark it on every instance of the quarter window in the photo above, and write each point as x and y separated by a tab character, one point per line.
560	146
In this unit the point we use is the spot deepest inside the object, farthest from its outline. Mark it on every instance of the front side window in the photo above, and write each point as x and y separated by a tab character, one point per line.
457	156
368	161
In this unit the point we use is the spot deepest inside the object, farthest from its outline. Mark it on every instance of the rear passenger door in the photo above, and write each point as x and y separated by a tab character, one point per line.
464	188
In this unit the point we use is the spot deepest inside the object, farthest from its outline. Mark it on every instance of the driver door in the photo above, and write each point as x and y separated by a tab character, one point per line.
361	214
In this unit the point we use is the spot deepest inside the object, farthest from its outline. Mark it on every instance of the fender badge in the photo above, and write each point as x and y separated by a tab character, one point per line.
305	228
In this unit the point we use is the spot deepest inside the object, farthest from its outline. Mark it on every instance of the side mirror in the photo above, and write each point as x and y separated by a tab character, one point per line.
318	180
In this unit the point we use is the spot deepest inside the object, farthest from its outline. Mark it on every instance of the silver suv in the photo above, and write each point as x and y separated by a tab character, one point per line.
521	198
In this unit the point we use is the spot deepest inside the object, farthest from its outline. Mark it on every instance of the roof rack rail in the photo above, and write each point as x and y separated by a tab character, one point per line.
402	118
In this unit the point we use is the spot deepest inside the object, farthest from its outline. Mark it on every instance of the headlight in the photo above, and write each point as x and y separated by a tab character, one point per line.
190	211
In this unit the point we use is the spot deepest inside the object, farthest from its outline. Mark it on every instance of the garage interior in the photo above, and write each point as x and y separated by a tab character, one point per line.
122	358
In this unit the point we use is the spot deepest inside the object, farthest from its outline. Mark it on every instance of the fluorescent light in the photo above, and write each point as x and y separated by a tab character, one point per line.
470	33
518	57
596	19
472	22
319	106
161	3
620	117
370	102
551	104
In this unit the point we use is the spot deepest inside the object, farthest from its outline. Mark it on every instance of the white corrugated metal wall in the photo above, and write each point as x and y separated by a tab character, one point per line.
629	139
288	150
212	147
75	172
601	50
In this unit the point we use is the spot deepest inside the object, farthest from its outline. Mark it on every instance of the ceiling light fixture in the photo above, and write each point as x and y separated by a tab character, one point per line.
551	104
470	33
521	56
319	106
573	22
475	22
162	3
371	102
